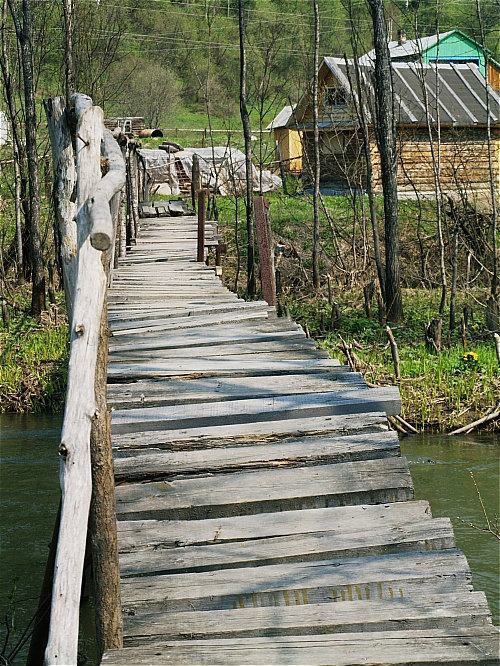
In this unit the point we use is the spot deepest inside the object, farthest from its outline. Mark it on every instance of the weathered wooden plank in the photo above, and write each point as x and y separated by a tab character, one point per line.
156	392
264	329
426	647
258	409
156	535
466	609
286	346
344	579
366	482
429	535
242	433
236	365
194	322
137	465
297	353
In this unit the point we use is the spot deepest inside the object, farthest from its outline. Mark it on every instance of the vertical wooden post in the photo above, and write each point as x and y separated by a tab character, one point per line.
102	519
202	213
195	180
264	240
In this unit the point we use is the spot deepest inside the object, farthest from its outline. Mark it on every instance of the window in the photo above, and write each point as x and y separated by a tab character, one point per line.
127	127
335	96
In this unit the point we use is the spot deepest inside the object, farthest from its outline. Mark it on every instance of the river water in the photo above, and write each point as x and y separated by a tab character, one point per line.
29	497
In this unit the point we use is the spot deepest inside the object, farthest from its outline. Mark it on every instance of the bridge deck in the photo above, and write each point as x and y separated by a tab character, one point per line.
265	513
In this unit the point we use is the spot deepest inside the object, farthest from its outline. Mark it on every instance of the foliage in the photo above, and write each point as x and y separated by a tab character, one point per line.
34	357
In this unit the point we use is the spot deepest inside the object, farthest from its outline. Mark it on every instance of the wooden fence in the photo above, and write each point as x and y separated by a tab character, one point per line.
90	201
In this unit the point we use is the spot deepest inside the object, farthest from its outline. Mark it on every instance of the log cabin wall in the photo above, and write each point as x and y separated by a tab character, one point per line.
464	159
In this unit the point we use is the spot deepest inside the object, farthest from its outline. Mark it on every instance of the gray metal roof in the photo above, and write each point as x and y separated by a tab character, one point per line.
412	47
282	119
461	92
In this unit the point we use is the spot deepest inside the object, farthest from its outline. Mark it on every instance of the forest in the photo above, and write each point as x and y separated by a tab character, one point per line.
178	65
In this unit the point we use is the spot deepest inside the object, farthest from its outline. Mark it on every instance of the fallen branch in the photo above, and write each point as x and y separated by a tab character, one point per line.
396	425
405	424
394	353
491	416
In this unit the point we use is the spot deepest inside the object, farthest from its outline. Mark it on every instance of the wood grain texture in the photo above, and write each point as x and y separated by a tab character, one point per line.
264	509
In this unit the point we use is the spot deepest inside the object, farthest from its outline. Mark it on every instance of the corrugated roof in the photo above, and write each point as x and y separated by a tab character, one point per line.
410	48
461	92
282	118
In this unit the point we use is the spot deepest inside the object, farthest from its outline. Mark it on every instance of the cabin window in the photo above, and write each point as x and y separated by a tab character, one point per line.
335	96
127	128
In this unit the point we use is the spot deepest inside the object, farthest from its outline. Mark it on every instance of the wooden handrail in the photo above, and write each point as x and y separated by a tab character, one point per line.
96	227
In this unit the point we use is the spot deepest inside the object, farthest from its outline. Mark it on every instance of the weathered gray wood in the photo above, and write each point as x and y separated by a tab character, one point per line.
426	647
381	539
386	577
102	229
263	330
139	465
155	535
194	311
80	406
156	392
279	351
445	611
258	409
366	482
194	322
264	431
236	365
63	160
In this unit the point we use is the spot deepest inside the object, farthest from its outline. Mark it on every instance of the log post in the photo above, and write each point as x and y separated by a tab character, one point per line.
195	180
266	254
202	211
102	522
74	449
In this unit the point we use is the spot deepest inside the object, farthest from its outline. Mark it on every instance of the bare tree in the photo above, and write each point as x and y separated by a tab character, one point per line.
494	212
23	24
68	11
248	155
316	158
386	139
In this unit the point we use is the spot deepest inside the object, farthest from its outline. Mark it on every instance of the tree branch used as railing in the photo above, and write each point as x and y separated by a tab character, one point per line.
95	227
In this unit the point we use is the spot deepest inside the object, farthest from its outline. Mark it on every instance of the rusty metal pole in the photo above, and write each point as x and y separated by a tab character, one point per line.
267	277
202	213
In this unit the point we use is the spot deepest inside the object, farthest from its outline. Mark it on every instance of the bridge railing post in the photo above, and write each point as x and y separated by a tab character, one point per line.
86	417
202	217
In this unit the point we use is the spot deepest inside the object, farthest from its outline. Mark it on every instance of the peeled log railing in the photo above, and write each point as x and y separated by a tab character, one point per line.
82	151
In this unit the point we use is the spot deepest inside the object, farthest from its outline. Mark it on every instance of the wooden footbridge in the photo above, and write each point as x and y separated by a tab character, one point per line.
264	512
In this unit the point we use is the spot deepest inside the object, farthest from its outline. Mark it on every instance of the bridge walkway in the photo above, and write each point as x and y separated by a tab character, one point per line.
265	514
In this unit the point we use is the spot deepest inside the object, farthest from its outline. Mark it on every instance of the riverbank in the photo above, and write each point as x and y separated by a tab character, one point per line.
440	391
34	360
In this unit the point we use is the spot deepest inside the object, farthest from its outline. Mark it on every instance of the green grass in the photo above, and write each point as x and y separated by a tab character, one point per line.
439	391
34	359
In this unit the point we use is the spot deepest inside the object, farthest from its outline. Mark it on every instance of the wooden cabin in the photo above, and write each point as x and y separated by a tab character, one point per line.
462	120
452	47
129	124
287	141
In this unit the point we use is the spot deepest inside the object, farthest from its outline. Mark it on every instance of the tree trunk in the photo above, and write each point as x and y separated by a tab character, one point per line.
24	35
68	48
248	156
316	161
386	138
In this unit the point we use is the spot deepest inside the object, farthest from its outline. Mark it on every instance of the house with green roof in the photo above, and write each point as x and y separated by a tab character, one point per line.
452	47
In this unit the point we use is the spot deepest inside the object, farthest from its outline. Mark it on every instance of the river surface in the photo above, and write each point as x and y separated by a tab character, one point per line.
29	497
